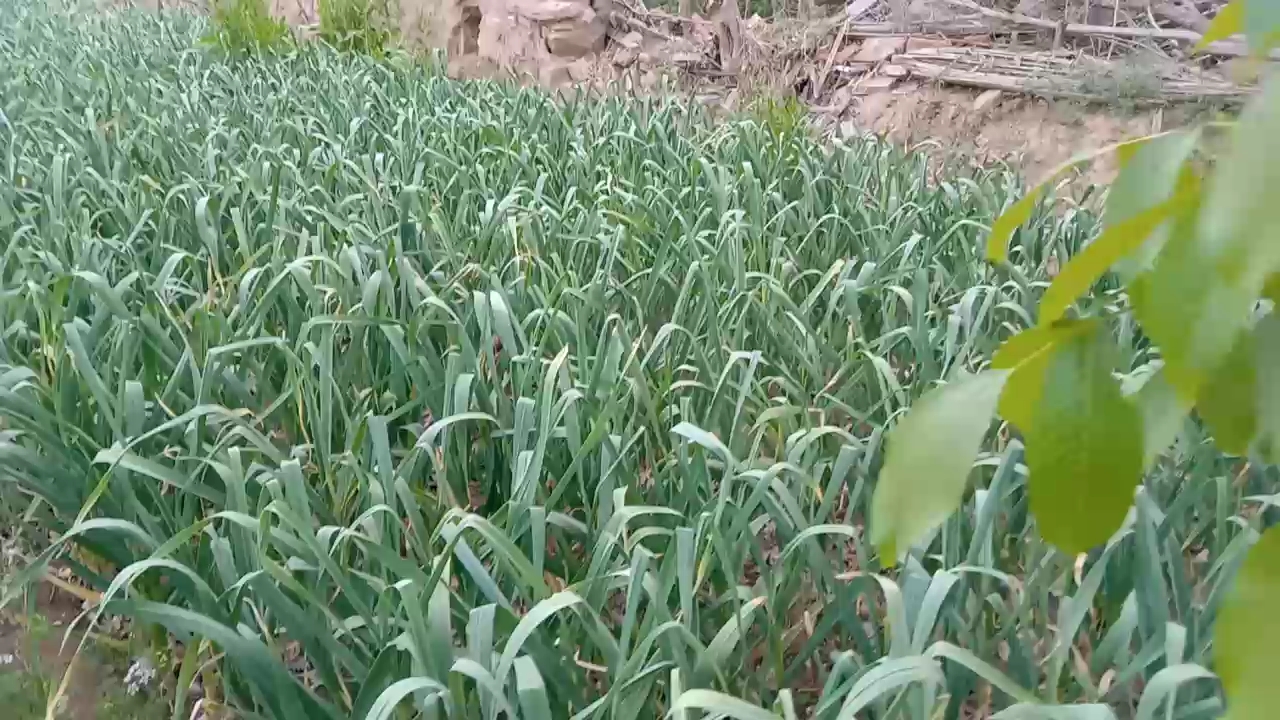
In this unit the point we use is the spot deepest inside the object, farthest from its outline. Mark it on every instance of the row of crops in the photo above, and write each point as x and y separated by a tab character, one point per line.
391	396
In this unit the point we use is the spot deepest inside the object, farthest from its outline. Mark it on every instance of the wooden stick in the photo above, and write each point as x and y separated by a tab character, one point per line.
1222	48
1038	86
1181	13
831	59
639	26
949	29
85	594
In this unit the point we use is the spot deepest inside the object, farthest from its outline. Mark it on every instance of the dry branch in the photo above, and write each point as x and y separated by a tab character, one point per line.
1222	48
831	58
1047	74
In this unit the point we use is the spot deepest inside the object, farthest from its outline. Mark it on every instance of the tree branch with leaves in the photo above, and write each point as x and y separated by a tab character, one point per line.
1191	228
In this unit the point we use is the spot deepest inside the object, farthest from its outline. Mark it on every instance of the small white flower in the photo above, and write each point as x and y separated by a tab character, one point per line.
7	659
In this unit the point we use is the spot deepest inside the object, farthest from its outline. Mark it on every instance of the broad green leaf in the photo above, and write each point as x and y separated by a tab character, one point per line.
1028	354
1267	400
1228	398
726	640
528	624
385	668
1247	636
930	607
1162	413
1151	174
117	457
485	681
1201	292
1240	212
283	691
1085	269
1271	288
1011	219
1022	347
1084	446
930	454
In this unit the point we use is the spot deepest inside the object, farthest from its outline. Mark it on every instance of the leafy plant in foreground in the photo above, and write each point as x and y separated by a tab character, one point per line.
355	25
1196	241
245	26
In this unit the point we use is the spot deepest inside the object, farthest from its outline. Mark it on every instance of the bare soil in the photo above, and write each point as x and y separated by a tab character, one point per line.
90	677
1033	134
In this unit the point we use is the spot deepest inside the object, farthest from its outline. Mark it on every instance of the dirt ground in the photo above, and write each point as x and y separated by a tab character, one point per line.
1033	134
40	653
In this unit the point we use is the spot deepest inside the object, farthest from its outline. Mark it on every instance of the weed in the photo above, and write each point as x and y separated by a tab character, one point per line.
23	693
783	116
1123	87
24	685
356	25
241	27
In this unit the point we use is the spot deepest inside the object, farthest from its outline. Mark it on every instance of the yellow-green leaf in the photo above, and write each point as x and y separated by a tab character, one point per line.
1022	390
1084	446
1240	211
1246	639
1202	290
1149	174
1021	347
1162	415
1017	349
1228	399
1027	355
1267	338
931	452
1271	289
1153	173
1090	264
1229	21
1011	219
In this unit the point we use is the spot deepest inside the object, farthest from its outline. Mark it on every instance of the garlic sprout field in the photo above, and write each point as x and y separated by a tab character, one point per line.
391	396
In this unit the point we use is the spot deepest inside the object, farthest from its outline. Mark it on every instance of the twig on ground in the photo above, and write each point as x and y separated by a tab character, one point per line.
831	59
